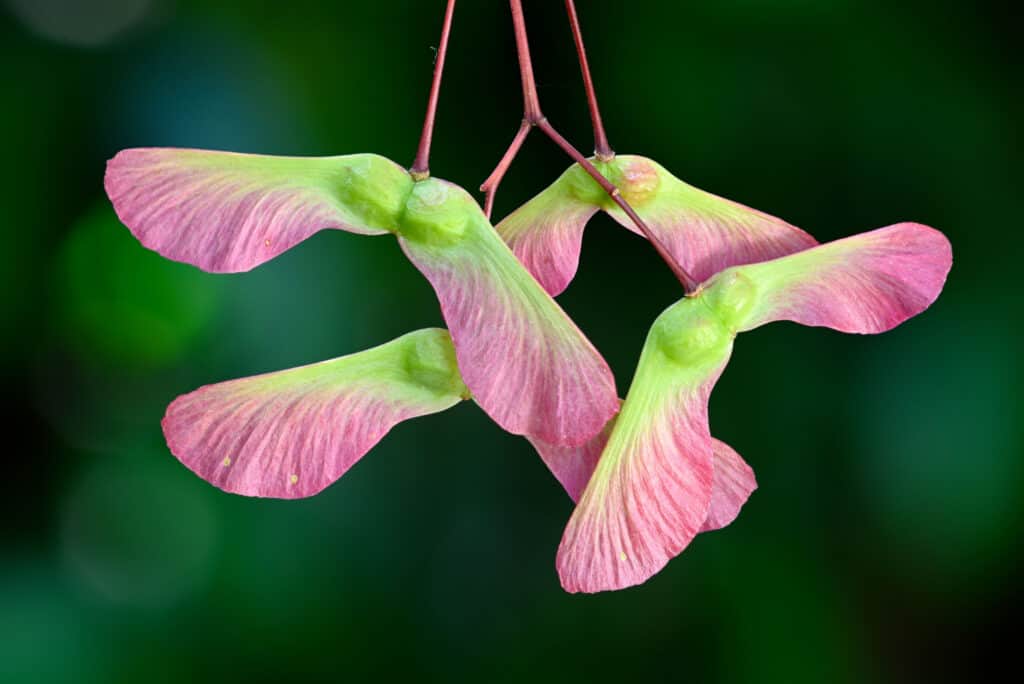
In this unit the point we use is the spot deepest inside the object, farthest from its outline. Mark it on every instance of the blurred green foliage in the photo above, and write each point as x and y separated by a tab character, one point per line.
882	543
124	307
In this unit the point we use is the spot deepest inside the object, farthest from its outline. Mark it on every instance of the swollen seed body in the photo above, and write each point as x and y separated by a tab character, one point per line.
689	334
582	187
638	179
730	295
430	362
700	326
437	213
374	189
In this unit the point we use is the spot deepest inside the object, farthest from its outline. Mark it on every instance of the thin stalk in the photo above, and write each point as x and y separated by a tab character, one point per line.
490	186
531	101
420	168
602	148
531	108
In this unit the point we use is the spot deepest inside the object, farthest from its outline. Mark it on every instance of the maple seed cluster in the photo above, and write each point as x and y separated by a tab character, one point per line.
645	472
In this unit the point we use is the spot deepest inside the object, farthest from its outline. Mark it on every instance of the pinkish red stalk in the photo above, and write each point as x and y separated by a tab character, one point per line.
420	168
532	116
531	108
531	101
490	186
602	148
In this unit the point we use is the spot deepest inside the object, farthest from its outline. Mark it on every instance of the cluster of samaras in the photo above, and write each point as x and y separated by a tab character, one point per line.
646	473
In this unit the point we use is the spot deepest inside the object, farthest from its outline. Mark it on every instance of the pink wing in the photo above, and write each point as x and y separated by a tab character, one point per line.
528	365
226	212
289	434
868	283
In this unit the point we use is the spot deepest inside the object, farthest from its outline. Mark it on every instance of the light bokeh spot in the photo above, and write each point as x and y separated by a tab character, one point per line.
82	24
121	303
137	532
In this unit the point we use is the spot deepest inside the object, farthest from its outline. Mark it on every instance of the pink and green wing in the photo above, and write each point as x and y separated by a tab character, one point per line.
704	233
867	283
527	364
573	466
546	233
226	212
731	486
290	434
651	492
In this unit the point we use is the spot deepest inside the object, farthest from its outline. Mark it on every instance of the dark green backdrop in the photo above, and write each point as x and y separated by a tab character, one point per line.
882	545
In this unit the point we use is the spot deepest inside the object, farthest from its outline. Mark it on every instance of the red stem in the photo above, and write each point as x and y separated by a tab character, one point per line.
531	108
531	102
420	168
602	148
490	186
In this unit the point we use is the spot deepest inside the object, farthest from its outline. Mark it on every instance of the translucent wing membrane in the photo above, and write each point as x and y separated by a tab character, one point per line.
290	434
546	234
528	365
573	466
703	233
651	491
226	212
868	283
733	484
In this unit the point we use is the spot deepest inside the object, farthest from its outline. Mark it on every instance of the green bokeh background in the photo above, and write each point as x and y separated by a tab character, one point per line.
883	543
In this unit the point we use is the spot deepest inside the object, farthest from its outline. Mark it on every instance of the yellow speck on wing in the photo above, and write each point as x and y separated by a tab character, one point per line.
622	555
227	461
293	479
266	243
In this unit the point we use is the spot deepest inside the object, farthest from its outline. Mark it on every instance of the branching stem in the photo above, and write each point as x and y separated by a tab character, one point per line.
490	186
531	102
533	117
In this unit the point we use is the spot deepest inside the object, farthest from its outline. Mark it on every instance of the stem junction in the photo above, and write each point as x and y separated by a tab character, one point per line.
534	118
